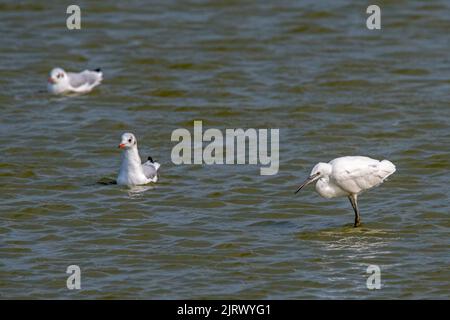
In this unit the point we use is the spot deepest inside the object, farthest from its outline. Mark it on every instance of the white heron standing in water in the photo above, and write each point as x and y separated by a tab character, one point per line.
348	176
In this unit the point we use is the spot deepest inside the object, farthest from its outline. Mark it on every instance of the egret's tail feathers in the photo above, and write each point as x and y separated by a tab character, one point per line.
387	168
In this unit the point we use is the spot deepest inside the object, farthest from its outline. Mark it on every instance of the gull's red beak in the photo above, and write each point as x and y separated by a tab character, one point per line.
50	80
122	145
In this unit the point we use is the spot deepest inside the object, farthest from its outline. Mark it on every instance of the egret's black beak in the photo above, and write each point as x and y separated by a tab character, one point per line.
308	181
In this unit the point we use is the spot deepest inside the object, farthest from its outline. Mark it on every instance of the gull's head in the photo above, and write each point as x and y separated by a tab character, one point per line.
57	76
127	141
320	170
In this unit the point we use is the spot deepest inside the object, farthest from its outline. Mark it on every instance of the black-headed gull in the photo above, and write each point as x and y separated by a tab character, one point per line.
60	82
132	171
349	176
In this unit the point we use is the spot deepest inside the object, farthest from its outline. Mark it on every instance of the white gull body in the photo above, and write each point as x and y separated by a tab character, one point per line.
349	176
61	82
132	171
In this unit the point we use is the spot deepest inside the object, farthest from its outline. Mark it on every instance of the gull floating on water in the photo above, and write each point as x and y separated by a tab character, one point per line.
60	82
132	171
348	176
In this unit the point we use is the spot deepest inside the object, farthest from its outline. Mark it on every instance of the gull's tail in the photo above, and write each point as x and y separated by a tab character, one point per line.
99	75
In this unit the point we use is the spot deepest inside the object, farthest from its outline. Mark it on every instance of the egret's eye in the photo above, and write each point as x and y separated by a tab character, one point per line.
318	173
129	140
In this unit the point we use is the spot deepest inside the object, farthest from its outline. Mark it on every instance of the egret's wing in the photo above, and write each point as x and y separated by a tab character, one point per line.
355	174
151	169
85	79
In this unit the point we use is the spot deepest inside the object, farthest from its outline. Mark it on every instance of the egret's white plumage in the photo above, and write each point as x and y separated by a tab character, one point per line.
60	82
349	176
132	171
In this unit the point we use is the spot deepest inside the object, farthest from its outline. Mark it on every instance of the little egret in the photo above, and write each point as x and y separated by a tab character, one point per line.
348	176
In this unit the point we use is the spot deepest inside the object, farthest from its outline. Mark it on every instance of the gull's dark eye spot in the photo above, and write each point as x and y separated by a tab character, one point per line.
129	140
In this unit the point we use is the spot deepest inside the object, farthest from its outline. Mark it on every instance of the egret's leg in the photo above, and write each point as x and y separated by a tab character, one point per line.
354	201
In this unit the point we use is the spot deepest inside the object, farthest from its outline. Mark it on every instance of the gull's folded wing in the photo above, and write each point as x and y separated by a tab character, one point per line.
85	78
150	169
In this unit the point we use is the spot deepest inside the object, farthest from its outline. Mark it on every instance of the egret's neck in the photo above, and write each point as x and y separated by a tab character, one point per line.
322	187
328	189
324	180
